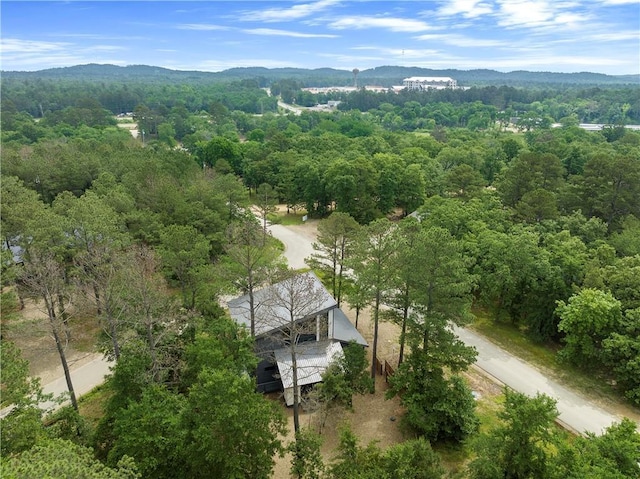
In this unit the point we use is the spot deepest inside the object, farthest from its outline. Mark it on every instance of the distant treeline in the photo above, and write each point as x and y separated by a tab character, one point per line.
383	76
42	97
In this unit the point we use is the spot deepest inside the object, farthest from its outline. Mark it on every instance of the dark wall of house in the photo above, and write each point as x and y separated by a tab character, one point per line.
265	372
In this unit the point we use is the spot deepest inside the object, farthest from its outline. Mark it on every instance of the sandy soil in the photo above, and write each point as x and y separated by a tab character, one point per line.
373	418
32	335
132	127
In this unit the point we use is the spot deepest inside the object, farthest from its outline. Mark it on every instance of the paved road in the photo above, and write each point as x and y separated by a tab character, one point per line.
84	378
297	247
294	109
576	412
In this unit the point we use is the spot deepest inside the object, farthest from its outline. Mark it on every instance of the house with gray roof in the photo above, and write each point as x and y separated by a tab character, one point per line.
313	323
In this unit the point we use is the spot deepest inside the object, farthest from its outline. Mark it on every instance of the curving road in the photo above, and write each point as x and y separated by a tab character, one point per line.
576	412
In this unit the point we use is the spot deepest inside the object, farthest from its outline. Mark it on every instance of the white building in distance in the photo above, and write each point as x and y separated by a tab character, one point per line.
429	83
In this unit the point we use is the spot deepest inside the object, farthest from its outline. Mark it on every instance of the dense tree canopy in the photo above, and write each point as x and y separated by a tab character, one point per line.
529	224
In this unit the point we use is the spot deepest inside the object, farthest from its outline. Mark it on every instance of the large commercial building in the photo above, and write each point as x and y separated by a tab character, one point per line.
429	83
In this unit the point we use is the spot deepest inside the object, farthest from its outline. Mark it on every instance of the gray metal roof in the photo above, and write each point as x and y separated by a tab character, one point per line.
343	330
303	295
312	359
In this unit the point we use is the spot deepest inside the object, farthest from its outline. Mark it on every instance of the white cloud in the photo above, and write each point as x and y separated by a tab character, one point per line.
615	36
106	48
525	13
400	53
566	64
344	60
466	8
15	45
388	23
220	65
461	40
285	33
95	36
287	14
618	2
556	17
18	54
201	27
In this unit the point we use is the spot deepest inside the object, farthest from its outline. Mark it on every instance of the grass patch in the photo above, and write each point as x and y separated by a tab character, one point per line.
92	405
453	456
274	218
287	219
487	408
514	340
85	331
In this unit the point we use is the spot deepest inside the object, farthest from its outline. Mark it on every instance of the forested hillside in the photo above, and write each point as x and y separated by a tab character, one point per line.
384	75
532	226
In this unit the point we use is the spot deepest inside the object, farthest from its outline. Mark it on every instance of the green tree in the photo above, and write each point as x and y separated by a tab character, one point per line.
405	274
345	377
537	205
149	431
220	343
354	183
412	459
439	404
266	200
63	460
389	167
336	235
229	428
306	460
610	188
220	148
184	251
627	240
587	319
167	134
621	352
443	284
373	253
507	265
612	455
96	236
358	296
519	447
528	172
234	193
22	425
413	190
19	205
252	262
464	181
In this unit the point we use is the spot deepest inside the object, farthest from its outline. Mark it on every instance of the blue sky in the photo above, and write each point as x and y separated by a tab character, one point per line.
506	35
